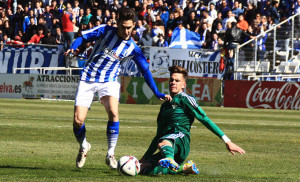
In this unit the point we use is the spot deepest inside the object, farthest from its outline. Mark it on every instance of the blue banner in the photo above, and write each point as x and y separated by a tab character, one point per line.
30	57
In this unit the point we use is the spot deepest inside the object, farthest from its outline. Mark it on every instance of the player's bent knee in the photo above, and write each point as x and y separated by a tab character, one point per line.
78	122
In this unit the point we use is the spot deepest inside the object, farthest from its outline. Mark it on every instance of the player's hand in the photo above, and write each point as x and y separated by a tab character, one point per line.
167	97
68	51
234	148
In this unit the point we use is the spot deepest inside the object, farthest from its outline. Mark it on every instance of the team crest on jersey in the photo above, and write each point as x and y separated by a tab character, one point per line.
111	53
174	106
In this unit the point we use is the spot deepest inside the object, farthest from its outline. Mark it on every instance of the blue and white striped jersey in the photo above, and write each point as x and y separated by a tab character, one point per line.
109	51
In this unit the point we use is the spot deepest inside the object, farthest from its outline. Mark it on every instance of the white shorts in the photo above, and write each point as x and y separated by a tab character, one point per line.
86	90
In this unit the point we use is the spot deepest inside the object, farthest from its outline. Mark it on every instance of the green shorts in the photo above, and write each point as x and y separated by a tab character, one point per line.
181	145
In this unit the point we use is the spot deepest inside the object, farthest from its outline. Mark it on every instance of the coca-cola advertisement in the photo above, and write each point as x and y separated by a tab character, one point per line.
258	94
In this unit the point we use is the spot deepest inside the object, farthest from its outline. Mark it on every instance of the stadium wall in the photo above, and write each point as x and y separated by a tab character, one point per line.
262	94
134	90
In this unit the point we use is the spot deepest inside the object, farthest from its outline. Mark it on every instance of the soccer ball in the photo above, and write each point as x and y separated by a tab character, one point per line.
128	165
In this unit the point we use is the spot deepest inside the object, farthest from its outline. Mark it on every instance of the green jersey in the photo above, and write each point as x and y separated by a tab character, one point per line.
176	117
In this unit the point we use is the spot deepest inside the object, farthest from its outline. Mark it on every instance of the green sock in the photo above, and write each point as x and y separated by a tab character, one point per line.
158	170
180	170
167	151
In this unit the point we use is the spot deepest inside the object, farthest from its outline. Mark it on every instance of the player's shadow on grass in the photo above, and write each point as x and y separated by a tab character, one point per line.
18	167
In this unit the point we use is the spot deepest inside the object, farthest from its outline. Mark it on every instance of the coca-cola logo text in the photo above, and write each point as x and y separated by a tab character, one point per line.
285	97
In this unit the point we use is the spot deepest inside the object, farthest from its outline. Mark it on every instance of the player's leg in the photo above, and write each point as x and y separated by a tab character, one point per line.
111	105
167	151
151	167
182	150
83	99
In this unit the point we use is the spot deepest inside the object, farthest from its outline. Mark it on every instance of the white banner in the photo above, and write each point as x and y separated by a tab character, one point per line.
199	63
38	86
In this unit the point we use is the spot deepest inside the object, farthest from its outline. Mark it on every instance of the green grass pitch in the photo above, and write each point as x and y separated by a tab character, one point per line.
37	143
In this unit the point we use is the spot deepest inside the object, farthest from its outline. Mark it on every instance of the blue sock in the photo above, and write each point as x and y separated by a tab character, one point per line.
80	136
112	133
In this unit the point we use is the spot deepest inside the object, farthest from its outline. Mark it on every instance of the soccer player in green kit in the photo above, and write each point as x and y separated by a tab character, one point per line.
173	131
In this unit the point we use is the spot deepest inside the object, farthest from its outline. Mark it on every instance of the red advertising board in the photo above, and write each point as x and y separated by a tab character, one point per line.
267	95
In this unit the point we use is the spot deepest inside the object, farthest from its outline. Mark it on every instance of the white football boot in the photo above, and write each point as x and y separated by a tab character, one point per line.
111	161
81	156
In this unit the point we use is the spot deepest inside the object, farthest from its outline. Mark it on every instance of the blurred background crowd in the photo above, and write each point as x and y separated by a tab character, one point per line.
60	21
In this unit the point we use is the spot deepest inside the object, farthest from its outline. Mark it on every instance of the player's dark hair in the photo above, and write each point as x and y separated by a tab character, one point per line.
178	69
126	14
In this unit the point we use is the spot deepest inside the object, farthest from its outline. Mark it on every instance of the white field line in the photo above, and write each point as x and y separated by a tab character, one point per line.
231	123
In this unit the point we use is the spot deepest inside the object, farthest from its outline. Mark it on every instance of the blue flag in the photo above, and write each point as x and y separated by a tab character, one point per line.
185	39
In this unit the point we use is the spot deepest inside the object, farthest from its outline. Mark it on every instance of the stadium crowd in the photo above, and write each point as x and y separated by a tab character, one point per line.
60	21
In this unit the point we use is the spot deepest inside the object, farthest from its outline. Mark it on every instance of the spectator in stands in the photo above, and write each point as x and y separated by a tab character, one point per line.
60	8
113	18
59	38
230	18
106	16
140	28
212	11
217	21
266	8
48	17
76	8
36	38
274	12
38	10
42	23
232	39
31	29
224	9
171	22
158	21
161	41
205	35
146	41
48	39
191	22
178	18
165	15
79	17
99	15
256	22
68	31
242	23
188	9
115	6
168	37
214	43
261	43
87	17
249	48
7	30
207	19
236	10
26	21
250	13
149	16
4	16
155	31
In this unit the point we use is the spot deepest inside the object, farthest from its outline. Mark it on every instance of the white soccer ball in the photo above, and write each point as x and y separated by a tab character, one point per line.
128	165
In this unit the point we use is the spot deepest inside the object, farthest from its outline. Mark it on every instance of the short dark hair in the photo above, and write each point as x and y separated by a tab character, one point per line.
126	14
178	69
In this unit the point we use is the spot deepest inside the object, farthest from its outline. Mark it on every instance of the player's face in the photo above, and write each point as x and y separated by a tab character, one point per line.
125	28
176	84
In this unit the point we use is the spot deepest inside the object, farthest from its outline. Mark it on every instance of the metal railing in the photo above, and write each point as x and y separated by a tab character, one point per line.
274	47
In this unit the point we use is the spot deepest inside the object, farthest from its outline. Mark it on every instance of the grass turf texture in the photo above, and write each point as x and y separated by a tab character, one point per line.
37	143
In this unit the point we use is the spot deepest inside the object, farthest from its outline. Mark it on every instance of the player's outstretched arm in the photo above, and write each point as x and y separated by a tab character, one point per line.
232	148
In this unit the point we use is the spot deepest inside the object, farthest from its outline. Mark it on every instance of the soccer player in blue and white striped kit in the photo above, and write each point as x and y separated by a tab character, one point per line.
112	46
